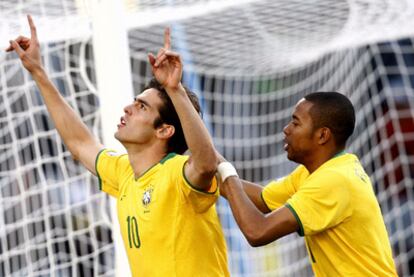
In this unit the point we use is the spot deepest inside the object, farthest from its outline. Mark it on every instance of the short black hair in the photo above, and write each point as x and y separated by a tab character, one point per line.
168	115
334	111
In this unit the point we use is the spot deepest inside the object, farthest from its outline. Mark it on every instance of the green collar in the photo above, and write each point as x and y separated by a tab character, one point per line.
339	154
163	160
169	156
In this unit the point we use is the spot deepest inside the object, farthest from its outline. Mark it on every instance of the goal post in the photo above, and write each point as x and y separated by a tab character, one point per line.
114	83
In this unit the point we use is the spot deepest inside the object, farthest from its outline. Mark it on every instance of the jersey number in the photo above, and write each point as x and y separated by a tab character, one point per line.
133	235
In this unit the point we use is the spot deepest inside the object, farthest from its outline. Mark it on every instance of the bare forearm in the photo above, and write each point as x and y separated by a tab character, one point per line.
247	216
254	192
69	125
259	229
198	139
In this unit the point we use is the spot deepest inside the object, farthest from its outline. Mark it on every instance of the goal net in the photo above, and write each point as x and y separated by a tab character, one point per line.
249	62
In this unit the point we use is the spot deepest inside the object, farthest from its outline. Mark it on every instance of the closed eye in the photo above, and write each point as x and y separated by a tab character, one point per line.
295	120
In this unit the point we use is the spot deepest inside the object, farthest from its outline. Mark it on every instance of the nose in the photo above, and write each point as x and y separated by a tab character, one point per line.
127	109
286	129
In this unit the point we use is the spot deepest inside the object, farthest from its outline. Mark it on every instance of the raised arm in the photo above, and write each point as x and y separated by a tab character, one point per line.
76	136
167	68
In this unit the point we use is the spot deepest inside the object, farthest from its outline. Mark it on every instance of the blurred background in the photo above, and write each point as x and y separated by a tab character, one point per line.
249	61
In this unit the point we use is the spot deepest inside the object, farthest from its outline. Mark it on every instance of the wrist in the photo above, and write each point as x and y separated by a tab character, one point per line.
38	72
226	170
179	89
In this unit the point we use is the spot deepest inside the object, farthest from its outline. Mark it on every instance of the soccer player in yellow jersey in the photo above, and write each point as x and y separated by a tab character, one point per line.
166	200
328	198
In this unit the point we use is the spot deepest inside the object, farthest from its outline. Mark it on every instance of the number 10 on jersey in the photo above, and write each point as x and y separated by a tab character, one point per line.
133	235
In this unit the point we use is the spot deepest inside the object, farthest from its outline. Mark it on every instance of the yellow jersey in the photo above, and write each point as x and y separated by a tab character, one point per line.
168	227
338	215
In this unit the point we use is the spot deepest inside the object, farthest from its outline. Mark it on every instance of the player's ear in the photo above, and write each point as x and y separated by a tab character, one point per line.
165	131
324	134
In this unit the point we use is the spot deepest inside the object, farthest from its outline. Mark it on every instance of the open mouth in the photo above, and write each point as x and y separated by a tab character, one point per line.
285	145
122	122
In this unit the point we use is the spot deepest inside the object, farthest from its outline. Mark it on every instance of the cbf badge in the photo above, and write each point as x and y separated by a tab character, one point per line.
146	196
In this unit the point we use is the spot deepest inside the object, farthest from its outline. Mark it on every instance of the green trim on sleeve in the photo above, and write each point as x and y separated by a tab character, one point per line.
300	231
264	201
194	187
96	168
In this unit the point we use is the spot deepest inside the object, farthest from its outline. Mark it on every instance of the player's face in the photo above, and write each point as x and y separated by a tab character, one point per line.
137	124
300	140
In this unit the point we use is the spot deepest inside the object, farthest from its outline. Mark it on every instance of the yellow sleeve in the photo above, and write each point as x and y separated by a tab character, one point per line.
109	166
276	193
201	201
321	203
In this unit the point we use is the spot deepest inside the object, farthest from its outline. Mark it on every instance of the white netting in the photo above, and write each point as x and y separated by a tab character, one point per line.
54	220
250	61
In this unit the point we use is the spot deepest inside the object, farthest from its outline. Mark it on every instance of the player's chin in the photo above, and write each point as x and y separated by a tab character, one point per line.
289	154
118	136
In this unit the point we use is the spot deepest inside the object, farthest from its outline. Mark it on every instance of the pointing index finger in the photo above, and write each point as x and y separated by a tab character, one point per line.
32	27
167	38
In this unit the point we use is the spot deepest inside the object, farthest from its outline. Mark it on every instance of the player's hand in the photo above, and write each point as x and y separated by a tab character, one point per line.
28	49
167	66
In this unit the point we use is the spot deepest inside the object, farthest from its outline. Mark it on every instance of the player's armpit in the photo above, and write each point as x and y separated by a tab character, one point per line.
198	178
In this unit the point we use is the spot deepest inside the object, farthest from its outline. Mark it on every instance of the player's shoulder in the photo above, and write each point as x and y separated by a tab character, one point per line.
110	156
112	162
338	170
171	166
344	159
339	163
173	159
116	156
300	172
110	153
296	176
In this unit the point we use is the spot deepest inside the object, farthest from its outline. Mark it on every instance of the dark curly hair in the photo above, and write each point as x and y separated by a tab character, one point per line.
169	115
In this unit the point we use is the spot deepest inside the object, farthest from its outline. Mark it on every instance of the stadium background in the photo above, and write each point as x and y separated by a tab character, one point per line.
250	62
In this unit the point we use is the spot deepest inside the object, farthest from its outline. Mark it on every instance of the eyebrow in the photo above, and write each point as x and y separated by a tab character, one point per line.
136	99
295	117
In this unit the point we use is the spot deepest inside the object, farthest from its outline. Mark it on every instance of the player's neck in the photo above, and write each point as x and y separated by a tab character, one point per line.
320	158
143	159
